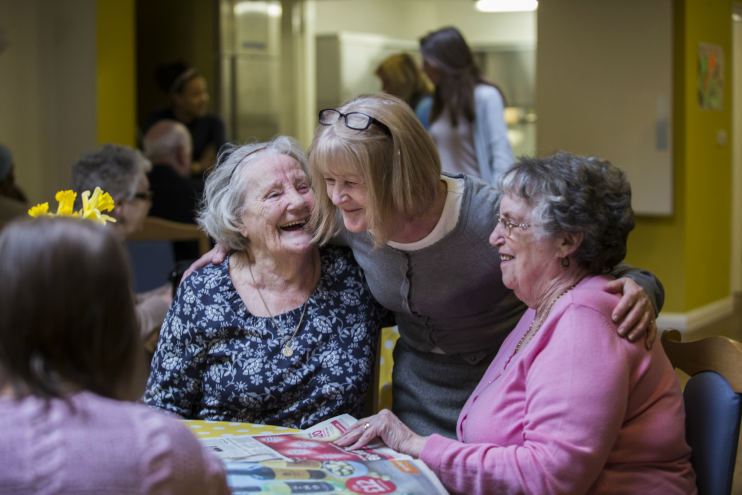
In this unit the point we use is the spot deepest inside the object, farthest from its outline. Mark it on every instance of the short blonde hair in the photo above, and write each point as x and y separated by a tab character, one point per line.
401	171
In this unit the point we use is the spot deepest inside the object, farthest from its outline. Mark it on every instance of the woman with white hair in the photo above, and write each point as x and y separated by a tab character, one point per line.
281	332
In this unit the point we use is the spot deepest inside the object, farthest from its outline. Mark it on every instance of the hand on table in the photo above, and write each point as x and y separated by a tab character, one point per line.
389	429
634	313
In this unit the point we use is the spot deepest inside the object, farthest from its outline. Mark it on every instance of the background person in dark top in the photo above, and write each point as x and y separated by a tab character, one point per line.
190	102
175	195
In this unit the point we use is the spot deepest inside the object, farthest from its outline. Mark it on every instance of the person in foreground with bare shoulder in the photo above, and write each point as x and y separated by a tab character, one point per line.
567	405
69	350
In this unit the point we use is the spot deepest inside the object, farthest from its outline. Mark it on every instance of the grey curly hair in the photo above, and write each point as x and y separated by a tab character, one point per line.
571	193
114	168
223	203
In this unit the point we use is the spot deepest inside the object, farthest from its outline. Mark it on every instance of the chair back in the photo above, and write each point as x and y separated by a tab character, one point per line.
151	250
159	229
713	408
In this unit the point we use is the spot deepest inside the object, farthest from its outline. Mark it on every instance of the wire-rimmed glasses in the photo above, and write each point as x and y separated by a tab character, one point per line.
509	225
354	120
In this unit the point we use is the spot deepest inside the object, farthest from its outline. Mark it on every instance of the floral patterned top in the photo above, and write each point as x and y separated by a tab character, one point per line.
216	361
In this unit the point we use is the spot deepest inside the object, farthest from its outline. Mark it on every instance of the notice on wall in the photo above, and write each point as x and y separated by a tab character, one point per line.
710	76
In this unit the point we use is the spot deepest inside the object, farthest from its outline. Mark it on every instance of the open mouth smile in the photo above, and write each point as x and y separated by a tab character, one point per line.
293	226
506	257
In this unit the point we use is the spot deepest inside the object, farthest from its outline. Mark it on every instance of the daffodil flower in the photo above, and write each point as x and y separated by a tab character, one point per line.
92	206
66	201
40	209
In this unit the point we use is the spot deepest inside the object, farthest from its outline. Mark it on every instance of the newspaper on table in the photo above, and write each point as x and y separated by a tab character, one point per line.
307	462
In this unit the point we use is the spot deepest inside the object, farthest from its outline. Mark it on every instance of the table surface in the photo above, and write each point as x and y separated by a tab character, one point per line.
212	429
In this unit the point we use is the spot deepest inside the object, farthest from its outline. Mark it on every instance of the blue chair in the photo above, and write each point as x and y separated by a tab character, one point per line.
713	408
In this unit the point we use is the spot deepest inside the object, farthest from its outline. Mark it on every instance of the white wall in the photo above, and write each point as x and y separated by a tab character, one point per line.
48	88
411	19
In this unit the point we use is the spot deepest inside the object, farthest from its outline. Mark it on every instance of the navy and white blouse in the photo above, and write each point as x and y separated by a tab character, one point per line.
217	361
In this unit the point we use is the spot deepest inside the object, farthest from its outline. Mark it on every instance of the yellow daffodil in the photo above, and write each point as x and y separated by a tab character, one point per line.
92	206
66	201
40	209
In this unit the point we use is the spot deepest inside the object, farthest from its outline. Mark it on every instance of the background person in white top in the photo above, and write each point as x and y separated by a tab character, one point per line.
466	122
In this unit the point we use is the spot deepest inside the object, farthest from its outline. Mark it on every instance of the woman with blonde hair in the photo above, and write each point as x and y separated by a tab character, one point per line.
401	77
422	241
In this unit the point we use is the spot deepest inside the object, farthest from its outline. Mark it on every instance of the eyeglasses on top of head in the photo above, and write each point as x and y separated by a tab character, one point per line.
240	163
354	120
509	225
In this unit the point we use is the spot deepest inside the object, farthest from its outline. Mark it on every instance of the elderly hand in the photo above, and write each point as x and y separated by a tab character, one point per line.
215	256
389	428
634	312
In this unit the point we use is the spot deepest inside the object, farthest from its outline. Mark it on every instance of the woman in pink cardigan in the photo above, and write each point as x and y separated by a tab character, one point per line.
567	405
69	357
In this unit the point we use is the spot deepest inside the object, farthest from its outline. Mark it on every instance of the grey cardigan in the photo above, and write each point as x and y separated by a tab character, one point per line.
491	144
451	294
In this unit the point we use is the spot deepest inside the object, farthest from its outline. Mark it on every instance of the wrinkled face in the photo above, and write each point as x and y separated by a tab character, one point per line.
277	206
193	99
130	213
350	194
527	264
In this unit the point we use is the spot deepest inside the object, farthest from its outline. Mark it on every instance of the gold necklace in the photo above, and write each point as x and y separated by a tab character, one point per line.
541	321
287	350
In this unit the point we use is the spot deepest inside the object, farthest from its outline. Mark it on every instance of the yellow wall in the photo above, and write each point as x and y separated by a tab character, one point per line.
116	65
690	251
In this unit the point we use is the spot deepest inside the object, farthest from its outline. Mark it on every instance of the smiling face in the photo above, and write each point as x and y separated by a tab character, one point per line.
528	264
277	205
350	194
193	99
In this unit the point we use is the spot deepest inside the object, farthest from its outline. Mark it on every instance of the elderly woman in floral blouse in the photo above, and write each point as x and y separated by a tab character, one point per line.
282	332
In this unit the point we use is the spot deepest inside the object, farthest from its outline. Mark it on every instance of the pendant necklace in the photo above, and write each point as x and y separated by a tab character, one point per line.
287	350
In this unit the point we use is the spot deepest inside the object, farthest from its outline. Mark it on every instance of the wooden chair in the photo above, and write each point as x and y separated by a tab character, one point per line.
159	229
713	406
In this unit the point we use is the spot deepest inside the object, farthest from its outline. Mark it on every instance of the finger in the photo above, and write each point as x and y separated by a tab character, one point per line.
218	255
614	286
640	326
651	334
348	437
365	438
621	314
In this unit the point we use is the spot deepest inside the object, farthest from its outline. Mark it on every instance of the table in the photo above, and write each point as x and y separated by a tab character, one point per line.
212	429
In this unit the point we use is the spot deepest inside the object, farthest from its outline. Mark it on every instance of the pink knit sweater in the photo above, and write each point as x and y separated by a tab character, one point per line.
101	447
577	410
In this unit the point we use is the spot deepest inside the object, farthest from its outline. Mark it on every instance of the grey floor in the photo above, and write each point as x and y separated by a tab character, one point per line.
730	327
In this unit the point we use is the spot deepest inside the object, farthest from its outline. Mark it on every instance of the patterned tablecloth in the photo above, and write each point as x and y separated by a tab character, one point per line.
211	429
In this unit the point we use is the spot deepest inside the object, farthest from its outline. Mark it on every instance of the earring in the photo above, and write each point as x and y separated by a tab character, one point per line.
564	263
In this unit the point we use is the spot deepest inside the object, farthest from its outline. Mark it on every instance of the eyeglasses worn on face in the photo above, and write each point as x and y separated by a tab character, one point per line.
354	120
508	225
144	196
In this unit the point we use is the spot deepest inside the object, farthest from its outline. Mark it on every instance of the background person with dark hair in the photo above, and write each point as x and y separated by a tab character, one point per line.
69	352
190	106
467	120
